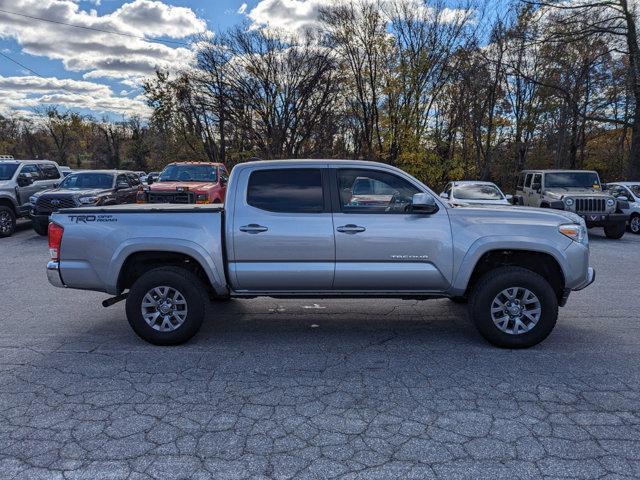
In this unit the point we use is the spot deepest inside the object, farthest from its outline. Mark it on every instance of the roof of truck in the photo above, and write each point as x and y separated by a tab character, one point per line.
628	184
566	170
15	160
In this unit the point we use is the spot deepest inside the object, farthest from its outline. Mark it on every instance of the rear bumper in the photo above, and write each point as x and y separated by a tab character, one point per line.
53	275
603	219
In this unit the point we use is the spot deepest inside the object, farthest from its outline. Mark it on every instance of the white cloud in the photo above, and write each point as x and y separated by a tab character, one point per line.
100	54
298	15
242	9
28	92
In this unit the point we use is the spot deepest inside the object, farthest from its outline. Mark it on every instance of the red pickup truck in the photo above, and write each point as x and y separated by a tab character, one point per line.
188	182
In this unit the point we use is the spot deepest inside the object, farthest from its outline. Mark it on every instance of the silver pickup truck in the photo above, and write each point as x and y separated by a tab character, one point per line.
324	228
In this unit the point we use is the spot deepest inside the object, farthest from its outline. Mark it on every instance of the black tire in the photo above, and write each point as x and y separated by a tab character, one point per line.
489	287
189	286
7	221
40	227
634	224
459	300
615	231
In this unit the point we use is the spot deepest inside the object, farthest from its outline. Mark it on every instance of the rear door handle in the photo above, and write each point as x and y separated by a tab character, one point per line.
351	228
253	228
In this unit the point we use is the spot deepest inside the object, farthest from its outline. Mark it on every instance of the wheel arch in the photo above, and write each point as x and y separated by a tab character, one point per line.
134	260
539	258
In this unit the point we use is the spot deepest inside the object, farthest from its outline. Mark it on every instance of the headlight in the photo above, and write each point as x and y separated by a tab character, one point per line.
88	200
202	198
33	199
569	202
577	233
611	202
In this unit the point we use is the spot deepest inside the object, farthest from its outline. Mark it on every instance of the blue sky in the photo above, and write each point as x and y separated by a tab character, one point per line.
69	59
99	73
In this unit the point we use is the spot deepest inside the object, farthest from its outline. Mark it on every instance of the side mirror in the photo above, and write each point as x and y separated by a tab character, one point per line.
24	180
149	180
536	186
509	198
444	195
423	203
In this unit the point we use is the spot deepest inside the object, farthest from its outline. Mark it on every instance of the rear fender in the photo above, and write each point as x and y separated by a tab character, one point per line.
212	268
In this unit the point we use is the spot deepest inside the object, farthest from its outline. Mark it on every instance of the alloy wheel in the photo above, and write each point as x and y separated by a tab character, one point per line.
164	309
634	225
6	222
516	310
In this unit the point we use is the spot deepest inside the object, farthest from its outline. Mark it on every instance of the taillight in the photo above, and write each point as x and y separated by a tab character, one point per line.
55	239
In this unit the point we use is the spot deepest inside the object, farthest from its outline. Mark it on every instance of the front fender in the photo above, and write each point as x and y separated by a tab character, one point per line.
487	244
214	272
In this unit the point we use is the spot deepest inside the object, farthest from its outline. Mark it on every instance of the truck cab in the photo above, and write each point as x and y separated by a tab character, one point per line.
19	181
578	191
187	183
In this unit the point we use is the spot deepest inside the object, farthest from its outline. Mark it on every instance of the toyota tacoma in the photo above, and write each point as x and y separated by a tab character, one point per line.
298	229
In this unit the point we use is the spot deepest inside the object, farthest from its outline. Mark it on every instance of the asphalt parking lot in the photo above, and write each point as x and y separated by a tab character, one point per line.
343	389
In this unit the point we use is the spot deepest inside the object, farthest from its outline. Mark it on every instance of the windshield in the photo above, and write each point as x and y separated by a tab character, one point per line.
189	173
7	170
572	180
476	192
85	181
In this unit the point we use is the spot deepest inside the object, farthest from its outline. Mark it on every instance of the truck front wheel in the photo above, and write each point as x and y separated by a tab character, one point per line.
513	307
615	231
166	305
634	224
7	221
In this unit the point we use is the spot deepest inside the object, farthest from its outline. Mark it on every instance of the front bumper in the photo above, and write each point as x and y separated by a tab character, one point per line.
39	217
603	219
53	274
591	277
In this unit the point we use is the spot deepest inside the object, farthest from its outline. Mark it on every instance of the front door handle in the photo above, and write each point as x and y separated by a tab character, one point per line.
253	228
351	228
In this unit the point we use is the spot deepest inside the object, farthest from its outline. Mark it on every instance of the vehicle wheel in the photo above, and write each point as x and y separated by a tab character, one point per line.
7	222
513	307
634	224
40	228
615	231
166	305
459	300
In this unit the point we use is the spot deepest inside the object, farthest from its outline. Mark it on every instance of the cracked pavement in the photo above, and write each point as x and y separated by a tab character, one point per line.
345	389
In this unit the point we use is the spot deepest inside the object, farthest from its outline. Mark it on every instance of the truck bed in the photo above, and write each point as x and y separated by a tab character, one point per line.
146	208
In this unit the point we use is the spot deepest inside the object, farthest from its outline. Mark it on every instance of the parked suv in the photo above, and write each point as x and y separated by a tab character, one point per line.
20	180
84	189
188	182
629	191
578	191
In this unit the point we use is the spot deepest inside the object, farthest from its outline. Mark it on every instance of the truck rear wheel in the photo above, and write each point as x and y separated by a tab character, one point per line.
7	221
40	227
615	231
166	305
513	307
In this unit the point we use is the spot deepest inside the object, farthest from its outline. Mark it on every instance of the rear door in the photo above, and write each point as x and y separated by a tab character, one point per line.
24	192
380	244
536	193
282	231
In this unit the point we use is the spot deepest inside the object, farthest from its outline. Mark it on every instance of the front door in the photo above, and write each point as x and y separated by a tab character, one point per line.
282	232
380	244
24	192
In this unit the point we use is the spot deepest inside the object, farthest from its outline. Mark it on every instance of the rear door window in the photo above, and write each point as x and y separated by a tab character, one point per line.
286	190
49	171
520	182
